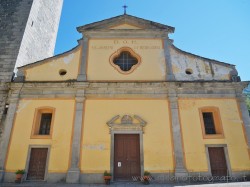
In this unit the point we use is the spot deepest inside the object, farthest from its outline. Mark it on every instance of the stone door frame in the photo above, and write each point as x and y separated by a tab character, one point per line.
224	146
126	125
112	156
28	161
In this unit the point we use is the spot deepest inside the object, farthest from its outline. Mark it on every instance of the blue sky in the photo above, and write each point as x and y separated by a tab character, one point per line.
216	29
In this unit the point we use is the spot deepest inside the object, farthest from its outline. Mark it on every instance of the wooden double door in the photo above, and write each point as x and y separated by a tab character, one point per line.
218	162
37	164
126	156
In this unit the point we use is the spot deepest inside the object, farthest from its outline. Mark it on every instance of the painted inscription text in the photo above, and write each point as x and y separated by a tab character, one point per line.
131	43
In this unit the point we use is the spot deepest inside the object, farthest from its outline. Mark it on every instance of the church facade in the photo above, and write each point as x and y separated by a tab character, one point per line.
126	100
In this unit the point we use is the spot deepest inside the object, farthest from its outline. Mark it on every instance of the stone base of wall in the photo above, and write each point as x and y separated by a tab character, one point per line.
160	178
245	175
56	177
191	177
91	178
9	177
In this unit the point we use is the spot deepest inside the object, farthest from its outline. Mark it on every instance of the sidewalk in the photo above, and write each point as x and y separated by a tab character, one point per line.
124	184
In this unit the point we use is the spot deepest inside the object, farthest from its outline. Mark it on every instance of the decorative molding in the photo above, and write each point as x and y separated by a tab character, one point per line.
126	123
133	90
125	33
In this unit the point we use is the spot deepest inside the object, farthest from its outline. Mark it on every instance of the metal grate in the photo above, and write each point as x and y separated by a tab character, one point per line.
125	61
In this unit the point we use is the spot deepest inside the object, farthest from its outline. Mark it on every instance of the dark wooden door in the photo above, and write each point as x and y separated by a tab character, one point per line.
217	161
37	164
126	156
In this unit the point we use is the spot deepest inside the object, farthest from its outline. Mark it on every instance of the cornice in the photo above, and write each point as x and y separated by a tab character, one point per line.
126	33
4	86
125	19
49	59
129	90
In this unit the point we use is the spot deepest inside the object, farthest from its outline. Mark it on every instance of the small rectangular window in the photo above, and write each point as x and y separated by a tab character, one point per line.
209	122
45	124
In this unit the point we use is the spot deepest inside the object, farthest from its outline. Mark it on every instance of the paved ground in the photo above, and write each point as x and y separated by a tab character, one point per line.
126	184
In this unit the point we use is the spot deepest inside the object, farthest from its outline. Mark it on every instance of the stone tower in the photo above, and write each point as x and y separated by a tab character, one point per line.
28	30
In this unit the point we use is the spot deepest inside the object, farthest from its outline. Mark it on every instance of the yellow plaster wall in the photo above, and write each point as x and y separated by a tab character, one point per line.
125	26
96	140
194	144
61	136
49	69
151	51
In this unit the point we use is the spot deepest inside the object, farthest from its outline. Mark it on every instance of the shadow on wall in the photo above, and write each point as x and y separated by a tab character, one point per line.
2	120
246	91
1	126
248	103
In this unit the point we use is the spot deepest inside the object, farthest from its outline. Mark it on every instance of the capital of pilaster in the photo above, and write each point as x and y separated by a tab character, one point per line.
13	99
80	99
85	37
241	98
173	98
80	93
167	40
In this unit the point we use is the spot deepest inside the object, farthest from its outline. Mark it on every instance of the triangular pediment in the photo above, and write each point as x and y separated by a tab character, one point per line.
125	26
125	22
